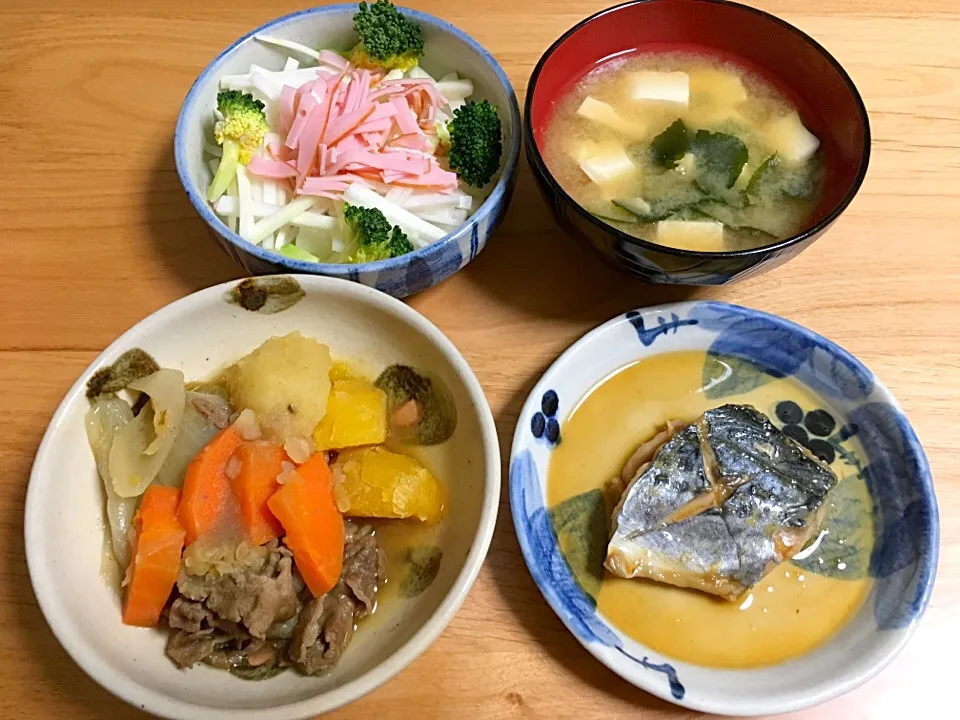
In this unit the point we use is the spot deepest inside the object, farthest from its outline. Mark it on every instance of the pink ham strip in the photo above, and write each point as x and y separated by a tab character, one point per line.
331	195
354	89
427	116
364	81
383	110
357	91
410	141
412	85
345	124
310	137
405	120
395	162
333	60
310	187
288	110
309	140
374	126
307	105
374	140
315	185
437	178
351	142
303	90
430	90
264	167
384	92
322	154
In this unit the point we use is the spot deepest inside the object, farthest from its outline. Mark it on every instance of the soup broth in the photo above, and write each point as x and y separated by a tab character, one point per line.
687	151
795	608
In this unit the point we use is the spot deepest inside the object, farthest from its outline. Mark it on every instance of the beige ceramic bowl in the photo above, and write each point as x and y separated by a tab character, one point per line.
199	334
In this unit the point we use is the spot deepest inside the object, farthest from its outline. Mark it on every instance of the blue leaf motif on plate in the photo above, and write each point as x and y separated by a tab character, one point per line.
552	573
663	326
905	552
745	334
838	375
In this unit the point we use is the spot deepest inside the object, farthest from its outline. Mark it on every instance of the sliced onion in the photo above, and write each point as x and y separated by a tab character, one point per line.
195	432
143	444
104	420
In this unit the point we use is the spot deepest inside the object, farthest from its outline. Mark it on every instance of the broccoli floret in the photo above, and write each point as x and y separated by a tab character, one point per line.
376	240
475	146
240	133
387	38
399	243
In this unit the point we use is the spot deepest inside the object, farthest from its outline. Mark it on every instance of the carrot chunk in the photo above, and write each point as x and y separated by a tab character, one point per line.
156	556
260	464
207	496
306	508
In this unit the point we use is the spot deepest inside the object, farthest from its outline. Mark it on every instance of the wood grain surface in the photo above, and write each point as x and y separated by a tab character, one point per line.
95	233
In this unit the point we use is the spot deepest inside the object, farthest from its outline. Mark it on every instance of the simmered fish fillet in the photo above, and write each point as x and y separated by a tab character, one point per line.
723	501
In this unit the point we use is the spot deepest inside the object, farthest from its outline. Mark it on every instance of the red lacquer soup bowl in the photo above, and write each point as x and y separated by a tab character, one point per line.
825	96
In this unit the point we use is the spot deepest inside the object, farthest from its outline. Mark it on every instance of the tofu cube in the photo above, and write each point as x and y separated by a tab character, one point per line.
704	235
718	86
787	137
670	87
604	114
608	166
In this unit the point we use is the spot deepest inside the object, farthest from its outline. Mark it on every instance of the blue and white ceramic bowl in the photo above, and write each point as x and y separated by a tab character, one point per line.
904	558
447	49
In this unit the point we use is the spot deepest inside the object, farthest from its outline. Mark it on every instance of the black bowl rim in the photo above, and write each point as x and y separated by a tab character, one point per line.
540	167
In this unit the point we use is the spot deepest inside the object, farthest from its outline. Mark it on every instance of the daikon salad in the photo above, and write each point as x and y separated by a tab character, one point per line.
350	156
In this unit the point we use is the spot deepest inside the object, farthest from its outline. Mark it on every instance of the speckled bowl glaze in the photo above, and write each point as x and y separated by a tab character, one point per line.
447	48
199	335
794	62
902	564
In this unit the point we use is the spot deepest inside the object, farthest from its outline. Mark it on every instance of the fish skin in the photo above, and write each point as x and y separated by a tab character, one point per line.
724	501
674	477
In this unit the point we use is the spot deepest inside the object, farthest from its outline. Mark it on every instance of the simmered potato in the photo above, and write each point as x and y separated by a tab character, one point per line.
286	382
378	483
356	415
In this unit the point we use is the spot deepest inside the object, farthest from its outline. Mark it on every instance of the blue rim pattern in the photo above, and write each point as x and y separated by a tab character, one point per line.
490	207
904	558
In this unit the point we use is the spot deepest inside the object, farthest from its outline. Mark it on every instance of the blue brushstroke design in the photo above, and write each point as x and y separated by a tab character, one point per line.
781	348
759	338
676	688
474	240
648	335
905	551
553	576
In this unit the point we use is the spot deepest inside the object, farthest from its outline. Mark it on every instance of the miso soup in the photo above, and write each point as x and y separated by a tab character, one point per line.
686	151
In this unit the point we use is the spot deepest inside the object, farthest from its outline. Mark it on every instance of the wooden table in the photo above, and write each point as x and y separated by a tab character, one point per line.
95	233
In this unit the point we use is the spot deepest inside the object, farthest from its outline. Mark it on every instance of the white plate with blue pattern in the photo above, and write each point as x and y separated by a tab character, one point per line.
902	563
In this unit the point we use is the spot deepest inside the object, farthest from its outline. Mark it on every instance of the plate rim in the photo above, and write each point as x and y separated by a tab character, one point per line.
654	685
